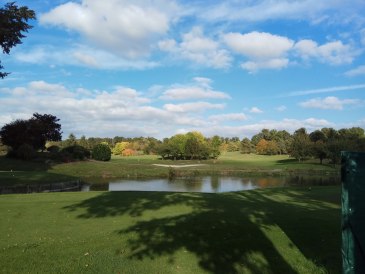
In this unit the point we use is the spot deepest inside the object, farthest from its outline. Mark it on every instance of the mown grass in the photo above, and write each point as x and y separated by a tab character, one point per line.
290	230
15	171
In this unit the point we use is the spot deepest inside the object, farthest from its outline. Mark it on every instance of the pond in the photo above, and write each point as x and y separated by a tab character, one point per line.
211	184
207	184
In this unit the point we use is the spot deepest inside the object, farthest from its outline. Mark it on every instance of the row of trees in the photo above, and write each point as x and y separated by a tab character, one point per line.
192	145
43	131
326	143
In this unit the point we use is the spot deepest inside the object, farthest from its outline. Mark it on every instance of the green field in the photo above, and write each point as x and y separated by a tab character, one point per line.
15	171
292	230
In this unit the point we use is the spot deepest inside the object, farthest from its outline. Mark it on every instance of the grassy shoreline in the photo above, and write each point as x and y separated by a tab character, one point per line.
231	164
262	231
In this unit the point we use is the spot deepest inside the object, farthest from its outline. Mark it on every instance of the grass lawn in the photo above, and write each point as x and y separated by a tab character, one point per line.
232	163
281	230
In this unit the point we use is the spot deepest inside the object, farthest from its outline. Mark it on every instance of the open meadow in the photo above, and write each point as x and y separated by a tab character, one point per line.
282	230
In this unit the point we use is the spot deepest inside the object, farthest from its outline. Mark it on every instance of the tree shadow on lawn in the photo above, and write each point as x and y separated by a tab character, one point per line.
8	164
293	162
226	232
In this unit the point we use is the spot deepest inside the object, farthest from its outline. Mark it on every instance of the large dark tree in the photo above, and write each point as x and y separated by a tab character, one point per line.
35	132
13	23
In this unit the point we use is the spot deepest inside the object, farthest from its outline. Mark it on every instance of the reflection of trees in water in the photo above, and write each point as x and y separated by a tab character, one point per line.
269	182
189	183
215	183
193	184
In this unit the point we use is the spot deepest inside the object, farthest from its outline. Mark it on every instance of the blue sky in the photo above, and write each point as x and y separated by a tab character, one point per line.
158	68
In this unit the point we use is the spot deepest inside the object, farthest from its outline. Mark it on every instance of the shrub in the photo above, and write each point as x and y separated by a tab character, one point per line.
53	149
76	152
25	152
101	152
3	149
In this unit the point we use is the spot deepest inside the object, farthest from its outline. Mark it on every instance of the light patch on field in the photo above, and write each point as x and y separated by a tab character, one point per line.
285	247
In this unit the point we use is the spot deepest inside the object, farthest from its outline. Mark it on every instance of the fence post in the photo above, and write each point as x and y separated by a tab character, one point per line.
353	212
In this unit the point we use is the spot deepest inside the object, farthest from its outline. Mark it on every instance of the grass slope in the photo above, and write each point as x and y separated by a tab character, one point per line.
290	230
142	167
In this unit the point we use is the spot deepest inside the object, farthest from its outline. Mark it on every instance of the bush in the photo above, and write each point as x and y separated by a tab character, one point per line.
101	152
76	152
53	149
25	152
3	149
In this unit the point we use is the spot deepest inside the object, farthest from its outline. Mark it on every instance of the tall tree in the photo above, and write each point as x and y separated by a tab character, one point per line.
13	23
300	147
246	146
35	132
215	144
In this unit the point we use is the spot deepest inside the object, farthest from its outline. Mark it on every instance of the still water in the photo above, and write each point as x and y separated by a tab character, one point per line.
210	184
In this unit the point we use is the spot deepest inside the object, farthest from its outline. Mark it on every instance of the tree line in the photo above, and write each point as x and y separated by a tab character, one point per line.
42	132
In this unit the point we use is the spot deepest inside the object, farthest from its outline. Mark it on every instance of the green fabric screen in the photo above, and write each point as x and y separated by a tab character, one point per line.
353	212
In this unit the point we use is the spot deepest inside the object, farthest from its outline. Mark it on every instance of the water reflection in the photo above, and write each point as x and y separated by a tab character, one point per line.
208	184
214	184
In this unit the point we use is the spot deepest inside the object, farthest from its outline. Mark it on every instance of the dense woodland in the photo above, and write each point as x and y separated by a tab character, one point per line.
25	138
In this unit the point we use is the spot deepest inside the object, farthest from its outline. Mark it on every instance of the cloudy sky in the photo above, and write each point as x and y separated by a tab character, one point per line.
161	67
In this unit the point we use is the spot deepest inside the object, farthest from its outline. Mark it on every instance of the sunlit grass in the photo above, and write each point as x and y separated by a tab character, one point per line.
265	231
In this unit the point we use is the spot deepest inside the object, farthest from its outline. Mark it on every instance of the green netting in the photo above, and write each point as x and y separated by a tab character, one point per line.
353	212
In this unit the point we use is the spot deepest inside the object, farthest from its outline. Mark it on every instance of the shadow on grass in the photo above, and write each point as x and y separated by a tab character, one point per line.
294	162
8	164
15	172
226	232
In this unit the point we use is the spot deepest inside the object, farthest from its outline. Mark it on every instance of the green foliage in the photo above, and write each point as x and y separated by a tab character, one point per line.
233	146
300	148
76	152
120	147
35	132
215	144
70	141
101	152
247	147
25	152
13	23
53	149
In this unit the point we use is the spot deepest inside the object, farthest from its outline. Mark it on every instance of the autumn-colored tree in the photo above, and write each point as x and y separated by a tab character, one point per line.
261	146
272	148
128	152
120	147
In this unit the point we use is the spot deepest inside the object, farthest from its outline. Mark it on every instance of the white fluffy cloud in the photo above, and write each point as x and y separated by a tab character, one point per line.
126	112
334	53
192	107
258	45
78	55
256	110
268	51
197	48
360	70
125	27
120	111
201	89
328	103
263	50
